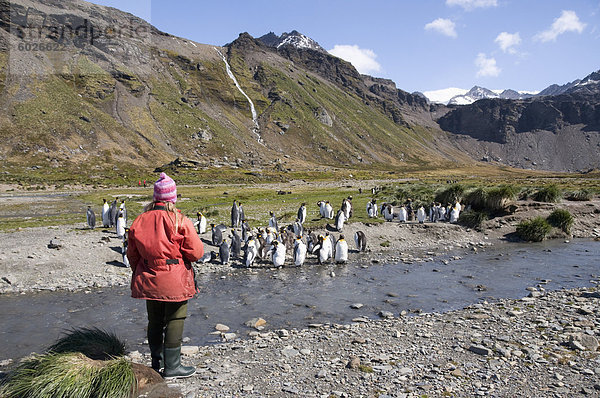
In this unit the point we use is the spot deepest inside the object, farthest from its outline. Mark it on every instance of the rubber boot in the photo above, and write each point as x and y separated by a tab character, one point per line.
156	352
173	366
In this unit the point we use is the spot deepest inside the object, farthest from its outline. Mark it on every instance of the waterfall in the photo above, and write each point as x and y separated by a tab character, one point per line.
256	128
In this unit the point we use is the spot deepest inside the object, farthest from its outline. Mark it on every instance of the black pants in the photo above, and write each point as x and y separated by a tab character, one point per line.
165	323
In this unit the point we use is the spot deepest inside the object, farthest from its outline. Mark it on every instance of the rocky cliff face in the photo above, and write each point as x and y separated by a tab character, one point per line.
561	132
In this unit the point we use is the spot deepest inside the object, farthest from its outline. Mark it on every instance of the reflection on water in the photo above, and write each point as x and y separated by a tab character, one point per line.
296	297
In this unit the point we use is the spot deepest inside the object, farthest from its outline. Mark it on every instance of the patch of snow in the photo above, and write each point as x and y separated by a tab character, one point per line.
444	95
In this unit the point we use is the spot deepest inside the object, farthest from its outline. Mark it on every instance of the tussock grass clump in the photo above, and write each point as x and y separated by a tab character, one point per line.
534	230
498	197
70	375
579	196
550	194
477	198
472	218
562	219
91	342
83	364
451	194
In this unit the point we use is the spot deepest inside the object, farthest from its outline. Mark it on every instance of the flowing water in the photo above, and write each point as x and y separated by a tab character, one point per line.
297	297
255	129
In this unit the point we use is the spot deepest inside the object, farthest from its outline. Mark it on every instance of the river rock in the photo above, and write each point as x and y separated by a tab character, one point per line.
190	350
256	323
386	314
356	306
221	328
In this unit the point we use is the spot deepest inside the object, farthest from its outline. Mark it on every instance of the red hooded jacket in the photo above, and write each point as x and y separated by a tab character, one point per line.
161	257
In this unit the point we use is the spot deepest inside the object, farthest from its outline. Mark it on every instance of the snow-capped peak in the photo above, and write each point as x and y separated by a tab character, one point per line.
294	38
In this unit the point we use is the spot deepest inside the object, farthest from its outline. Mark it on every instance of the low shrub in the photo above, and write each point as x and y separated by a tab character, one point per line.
534	230
550	194
561	218
580	196
472	218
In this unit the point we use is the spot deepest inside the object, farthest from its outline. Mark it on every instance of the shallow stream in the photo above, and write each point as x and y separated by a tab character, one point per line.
297	297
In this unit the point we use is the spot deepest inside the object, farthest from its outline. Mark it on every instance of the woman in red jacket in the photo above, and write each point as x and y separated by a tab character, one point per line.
162	245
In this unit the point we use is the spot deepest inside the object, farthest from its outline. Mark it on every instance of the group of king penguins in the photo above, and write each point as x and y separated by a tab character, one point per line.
272	243
113	215
406	212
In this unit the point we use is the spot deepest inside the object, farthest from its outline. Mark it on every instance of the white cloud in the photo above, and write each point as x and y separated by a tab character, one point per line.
472	4
443	26
487	66
363	59
508	41
567	22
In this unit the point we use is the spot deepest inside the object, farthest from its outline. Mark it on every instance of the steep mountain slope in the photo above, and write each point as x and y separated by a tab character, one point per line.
114	93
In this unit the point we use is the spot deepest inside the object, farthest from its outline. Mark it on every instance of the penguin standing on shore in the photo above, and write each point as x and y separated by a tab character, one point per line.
341	250
120	225
454	214
113	212
273	221
322	248
372	208
123	209
124	247
235	215
302	213
388	211
245	230
298	228
105	214
421	215
299	251
236	244
201	223
402	214
278	253
347	207
360	239
251	252
328	210
90	217
224	252
217	234
340	218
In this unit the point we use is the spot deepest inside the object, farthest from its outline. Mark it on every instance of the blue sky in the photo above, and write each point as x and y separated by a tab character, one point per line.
421	45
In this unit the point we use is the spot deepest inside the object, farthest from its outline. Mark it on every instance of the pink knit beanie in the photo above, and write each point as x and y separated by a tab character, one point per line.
165	189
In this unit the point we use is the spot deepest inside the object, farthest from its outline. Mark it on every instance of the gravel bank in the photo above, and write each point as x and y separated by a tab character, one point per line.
543	345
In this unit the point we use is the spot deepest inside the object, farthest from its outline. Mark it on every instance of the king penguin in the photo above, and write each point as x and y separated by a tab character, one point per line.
360	239
299	251
341	250
91	217
251	252
120	225
105	214
302	213
421	215
201	223
224	252
278	253
340	218
236	244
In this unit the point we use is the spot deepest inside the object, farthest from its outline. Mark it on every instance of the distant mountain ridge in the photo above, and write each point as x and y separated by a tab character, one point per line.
476	93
